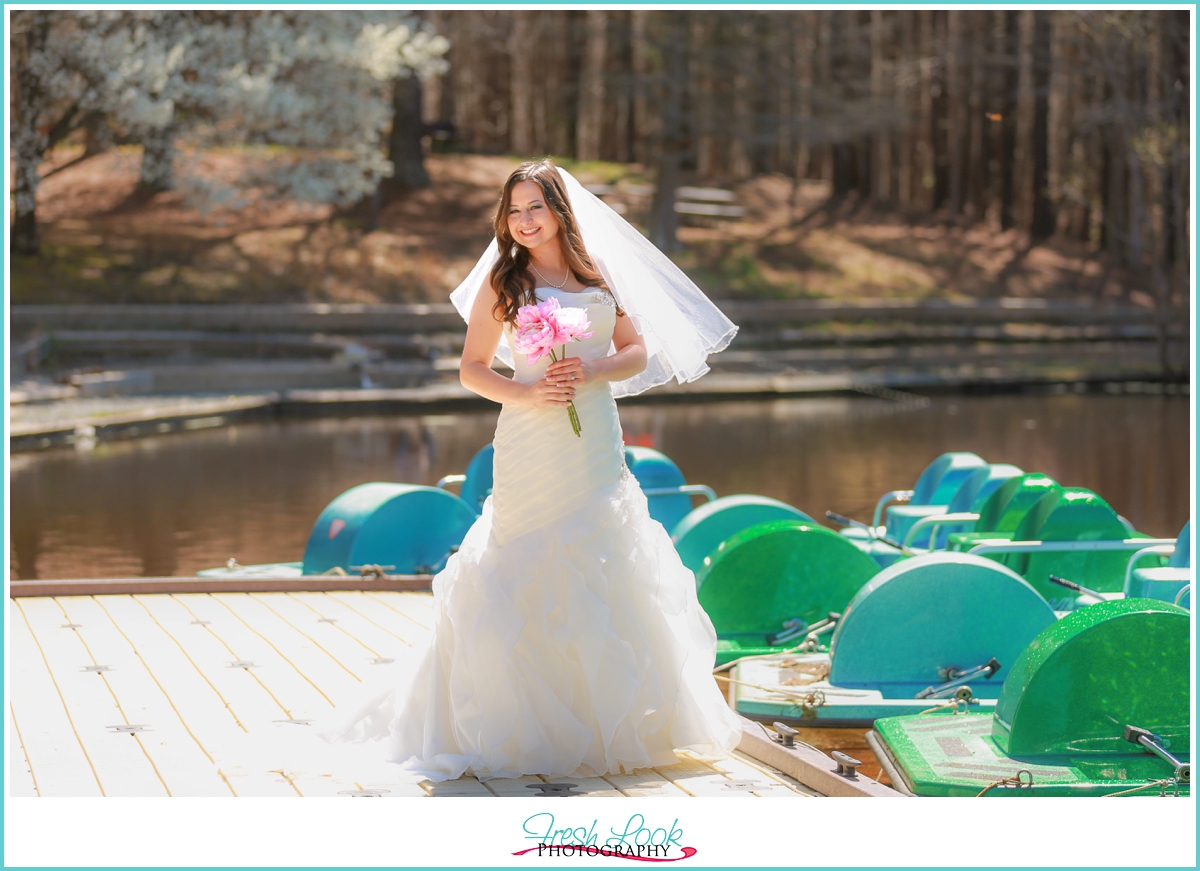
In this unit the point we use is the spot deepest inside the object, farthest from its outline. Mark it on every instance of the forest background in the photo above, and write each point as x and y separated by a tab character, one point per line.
240	156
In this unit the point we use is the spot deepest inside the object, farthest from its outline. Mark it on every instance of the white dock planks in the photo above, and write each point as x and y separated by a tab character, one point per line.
272	667
387	619
311	660
21	783
698	779
56	756
645	783
376	635
416	608
775	783
205	712
120	761
179	755
219	730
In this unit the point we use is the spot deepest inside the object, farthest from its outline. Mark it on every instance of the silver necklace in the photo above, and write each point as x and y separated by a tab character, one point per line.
548	281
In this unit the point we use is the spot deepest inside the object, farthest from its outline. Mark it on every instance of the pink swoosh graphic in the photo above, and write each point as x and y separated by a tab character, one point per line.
688	852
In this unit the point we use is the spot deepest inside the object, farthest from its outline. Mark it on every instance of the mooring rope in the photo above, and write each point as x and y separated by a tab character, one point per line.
1162	784
1014	780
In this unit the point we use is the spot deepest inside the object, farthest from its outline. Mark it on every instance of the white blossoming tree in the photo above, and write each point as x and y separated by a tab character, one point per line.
309	93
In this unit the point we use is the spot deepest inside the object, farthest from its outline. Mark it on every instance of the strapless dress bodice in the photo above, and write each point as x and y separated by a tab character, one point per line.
601	309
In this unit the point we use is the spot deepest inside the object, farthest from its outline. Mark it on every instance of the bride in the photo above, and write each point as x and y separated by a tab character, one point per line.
568	638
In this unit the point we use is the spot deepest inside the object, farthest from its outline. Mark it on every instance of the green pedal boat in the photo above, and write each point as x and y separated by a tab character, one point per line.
1097	705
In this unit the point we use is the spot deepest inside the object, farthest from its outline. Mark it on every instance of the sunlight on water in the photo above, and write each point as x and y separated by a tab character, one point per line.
175	504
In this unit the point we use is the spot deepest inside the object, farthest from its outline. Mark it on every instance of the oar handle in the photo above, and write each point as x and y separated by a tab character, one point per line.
1070	585
845	521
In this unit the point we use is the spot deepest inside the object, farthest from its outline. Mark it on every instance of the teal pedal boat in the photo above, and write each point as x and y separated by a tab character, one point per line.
1098	704
940	630
408	529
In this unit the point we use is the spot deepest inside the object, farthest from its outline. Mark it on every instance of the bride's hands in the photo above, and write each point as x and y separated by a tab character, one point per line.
570	371
547	393
559	385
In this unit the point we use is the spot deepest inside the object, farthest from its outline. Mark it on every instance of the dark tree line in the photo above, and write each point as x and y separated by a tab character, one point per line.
1072	123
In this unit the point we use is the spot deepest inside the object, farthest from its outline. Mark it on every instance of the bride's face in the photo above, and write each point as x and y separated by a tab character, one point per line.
530	220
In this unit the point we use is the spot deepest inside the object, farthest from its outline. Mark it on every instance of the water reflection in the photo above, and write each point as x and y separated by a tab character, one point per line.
175	504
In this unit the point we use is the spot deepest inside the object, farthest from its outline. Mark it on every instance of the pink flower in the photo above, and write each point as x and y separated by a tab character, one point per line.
534	340
540	327
531	314
570	324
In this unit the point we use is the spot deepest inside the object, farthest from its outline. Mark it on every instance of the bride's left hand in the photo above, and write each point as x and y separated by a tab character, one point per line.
572	371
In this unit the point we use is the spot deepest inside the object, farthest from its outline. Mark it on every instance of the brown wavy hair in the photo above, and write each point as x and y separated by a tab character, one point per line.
510	275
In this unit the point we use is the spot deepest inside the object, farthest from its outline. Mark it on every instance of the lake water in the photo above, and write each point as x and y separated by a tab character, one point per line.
174	504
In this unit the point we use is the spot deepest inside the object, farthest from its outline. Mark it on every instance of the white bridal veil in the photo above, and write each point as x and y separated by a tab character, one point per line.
680	325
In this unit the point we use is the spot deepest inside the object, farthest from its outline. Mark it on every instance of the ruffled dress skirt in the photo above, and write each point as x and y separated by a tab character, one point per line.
568	639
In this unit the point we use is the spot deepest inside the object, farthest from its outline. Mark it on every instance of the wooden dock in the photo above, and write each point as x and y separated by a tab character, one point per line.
210	694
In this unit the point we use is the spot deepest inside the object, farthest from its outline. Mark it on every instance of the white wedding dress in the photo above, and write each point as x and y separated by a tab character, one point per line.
568	638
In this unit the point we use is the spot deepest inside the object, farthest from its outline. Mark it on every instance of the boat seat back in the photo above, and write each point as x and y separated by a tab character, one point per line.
1008	504
1099	669
1182	558
478	485
933	487
1075	514
700	532
778	571
1158	582
934	612
655	470
979	485
970	495
405	526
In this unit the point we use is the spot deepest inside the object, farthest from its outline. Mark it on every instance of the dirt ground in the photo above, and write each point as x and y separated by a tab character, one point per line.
102	243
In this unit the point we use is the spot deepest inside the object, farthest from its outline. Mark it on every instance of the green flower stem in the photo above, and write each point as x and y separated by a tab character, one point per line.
572	414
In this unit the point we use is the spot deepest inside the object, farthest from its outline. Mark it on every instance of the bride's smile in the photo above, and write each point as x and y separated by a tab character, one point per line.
529	220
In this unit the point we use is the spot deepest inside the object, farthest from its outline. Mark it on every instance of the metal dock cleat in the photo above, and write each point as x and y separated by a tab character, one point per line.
847	766
784	734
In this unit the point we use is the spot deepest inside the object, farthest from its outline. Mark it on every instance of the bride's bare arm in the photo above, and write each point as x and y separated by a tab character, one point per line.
475	373
629	359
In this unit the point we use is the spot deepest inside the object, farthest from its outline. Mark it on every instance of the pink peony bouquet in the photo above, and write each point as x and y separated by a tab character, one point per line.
543	326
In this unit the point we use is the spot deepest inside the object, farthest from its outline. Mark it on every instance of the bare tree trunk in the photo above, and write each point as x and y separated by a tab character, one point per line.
745	82
622	100
645	124
704	99
881	188
589	127
1176	83
785	98
463	76
98	136
664	220
522	54
805	59
1057	108
405	150
976	180
824	78
31	30
1023	193
158	160
926	157
958	130
1006	31
908	50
